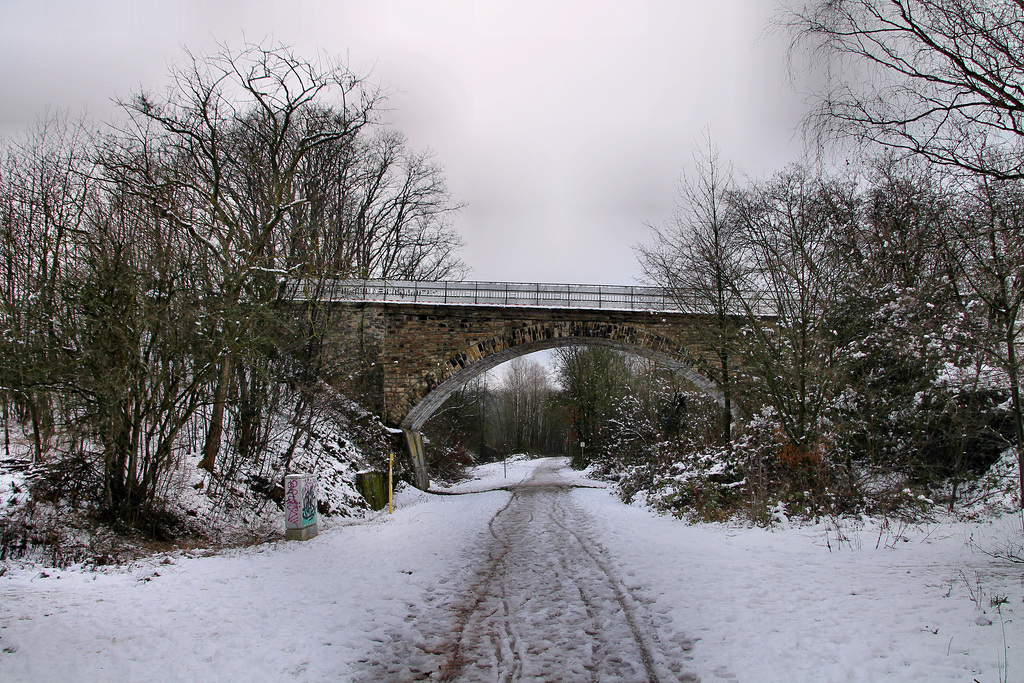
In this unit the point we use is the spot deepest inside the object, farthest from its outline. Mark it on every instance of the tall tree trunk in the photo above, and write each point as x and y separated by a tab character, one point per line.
37	429
7	428
1018	419
727	400
216	429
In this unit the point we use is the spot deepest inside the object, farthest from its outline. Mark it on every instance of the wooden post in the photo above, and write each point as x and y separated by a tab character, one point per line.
391	467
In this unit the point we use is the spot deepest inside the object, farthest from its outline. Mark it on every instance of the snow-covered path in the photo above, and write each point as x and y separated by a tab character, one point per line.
546	604
448	585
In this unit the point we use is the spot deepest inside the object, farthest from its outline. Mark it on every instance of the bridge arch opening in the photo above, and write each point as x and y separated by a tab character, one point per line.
425	408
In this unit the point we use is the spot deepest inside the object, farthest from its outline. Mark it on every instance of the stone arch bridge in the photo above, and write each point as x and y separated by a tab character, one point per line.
436	337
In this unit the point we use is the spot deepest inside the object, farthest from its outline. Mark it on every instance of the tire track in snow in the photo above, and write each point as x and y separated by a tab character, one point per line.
622	596
546	604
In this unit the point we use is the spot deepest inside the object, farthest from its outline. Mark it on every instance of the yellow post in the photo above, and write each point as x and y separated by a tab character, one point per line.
391	466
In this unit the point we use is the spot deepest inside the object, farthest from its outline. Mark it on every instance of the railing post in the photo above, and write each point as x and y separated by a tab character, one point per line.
476	292
446	291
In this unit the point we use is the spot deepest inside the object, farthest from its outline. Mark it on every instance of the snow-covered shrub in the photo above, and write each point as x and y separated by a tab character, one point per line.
701	485
666	454
920	407
322	433
53	511
447	462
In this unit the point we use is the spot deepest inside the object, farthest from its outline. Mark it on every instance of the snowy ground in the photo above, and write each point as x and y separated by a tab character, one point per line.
387	597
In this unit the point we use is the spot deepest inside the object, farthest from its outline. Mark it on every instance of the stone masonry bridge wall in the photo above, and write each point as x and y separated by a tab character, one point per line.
427	351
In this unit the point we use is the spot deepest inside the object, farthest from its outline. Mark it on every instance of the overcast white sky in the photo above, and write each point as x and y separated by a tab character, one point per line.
564	124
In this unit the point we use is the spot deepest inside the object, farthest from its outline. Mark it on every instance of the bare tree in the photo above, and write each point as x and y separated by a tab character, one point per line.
942	79
376	209
400	221
699	257
790	224
520	412
989	253
593	380
220	156
45	190
142	316
132	321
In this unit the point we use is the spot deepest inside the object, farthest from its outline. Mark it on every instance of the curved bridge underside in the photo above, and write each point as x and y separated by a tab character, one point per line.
477	360
429	351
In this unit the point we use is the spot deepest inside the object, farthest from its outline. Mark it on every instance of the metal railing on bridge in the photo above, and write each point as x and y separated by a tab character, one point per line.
514	294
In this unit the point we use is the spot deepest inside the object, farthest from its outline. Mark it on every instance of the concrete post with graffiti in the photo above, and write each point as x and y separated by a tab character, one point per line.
300	507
